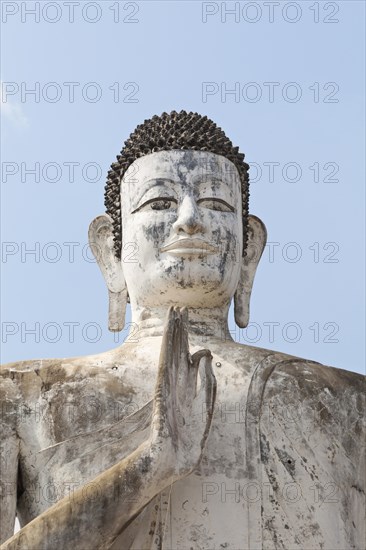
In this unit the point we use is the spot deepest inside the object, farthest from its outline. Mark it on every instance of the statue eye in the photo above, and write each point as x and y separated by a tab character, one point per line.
216	204
161	204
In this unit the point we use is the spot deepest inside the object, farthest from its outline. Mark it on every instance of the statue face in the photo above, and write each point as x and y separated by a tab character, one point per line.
182	233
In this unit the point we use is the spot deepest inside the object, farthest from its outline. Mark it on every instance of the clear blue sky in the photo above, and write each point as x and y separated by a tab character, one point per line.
309	51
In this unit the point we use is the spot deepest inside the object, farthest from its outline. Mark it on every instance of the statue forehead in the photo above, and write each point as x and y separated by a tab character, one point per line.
178	165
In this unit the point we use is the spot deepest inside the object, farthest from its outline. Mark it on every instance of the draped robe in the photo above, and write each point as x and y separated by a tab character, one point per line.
302	484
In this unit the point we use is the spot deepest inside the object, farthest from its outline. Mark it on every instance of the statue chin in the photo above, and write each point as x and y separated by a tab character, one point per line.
183	293
193	281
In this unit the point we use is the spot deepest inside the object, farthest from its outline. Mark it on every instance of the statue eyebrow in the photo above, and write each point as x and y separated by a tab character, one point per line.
153	182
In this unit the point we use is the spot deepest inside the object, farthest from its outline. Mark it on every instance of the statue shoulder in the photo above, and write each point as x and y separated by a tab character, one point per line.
10	400
320	396
309	376
319	399
312	378
26	374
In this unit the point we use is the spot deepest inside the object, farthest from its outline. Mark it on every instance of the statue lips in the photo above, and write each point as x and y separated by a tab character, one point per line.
186	246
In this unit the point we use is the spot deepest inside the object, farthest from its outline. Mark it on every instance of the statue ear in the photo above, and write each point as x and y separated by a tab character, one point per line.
102	245
257	238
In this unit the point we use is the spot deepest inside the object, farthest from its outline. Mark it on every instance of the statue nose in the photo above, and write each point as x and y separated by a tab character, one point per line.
189	219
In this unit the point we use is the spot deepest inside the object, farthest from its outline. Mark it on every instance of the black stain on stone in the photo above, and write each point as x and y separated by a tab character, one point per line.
144	467
357	488
264	447
287	461
273	481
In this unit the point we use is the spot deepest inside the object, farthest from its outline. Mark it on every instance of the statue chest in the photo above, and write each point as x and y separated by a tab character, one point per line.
77	429
209	508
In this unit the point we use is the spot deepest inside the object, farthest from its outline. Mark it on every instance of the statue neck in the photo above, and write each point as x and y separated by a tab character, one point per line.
204	324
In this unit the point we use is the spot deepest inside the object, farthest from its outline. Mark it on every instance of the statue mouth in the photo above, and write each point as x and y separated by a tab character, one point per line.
187	246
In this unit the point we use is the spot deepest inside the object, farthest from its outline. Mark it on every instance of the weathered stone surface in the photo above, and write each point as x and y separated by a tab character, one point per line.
123	450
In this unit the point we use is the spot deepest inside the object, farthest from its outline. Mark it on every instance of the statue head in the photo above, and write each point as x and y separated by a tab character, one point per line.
177	229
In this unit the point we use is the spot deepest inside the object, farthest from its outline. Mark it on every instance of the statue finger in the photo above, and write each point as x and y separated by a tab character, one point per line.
184	357
207	392
191	376
164	383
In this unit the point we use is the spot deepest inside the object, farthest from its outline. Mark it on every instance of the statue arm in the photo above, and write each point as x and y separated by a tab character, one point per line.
181	420
9	454
95	519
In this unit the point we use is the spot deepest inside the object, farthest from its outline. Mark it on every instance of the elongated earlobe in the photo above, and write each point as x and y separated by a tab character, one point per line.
117	310
101	243
257	238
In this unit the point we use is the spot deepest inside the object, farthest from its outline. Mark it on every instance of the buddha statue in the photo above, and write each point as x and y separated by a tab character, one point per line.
181	438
